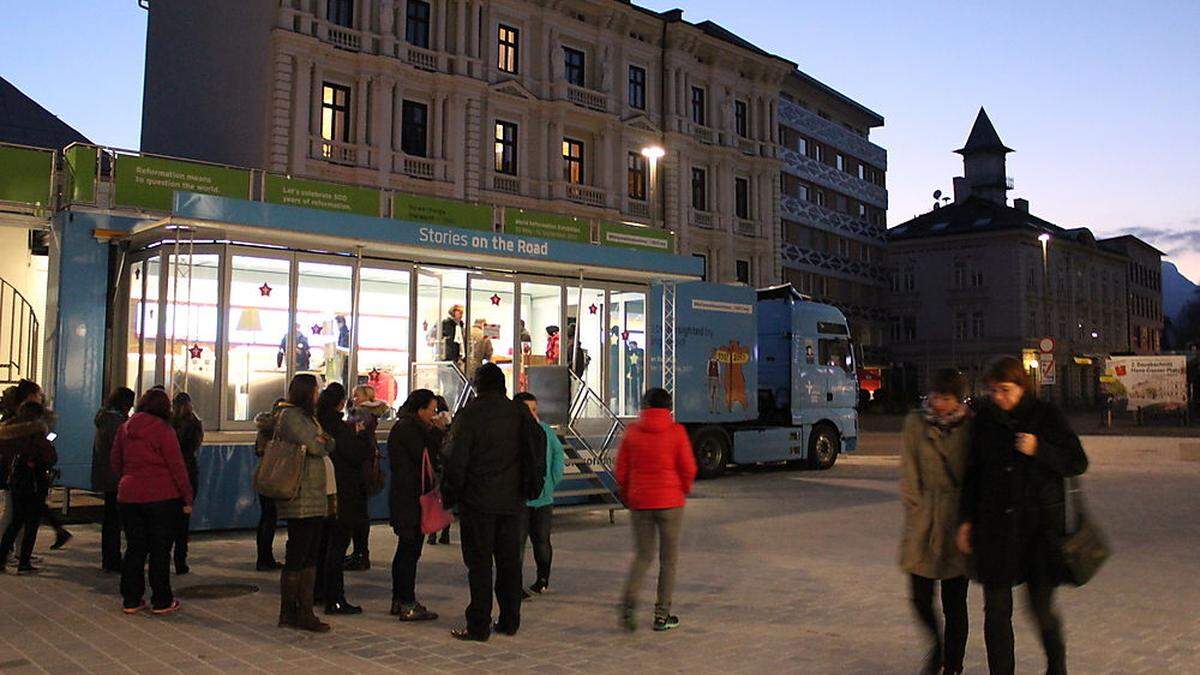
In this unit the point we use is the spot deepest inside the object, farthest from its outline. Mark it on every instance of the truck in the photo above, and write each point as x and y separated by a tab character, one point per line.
759	376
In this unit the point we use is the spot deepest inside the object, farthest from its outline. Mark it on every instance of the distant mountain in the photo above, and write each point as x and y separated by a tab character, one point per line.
1177	289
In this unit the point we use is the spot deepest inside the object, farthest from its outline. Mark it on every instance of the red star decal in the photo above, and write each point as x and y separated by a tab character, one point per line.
265	290
625	335
374	372
495	300
593	309
195	351
317	328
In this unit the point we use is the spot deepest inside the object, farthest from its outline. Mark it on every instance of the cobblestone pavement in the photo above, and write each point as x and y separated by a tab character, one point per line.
783	571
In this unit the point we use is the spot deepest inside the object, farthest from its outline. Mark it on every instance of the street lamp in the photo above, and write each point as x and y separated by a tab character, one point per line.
653	153
1044	238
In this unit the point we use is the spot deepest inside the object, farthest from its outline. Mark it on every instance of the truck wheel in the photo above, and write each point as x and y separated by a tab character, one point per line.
711	447
823	448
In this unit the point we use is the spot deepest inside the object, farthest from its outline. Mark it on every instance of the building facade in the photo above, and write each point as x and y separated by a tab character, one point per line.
978	278
1143	277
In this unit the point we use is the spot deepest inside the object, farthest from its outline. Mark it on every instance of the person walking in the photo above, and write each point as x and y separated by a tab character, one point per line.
268	515
541	510
413	439
369	410
296	424
1013	509
933	460
655	471
153	492
348	454
108	419
27	458
495	462
25	391
189	430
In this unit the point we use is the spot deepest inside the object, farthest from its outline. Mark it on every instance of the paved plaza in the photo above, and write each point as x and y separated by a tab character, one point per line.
782	571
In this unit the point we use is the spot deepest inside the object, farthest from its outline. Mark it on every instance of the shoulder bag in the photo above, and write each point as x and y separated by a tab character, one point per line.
1084	547
434	516
279	474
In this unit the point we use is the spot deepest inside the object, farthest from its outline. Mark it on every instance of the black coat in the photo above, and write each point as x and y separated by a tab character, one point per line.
190	432
451	331
107	422
1015	502
350	451
496	456
407	443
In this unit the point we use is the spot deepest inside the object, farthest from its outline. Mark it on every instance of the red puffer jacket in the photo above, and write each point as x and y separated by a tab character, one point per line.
146	456
655	465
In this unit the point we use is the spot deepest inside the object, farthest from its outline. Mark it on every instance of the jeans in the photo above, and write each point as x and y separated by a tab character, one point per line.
404	565
26	514
362	540
149	531
303	543
488	538
649	525
537	532
950	647
183	527
110	534
998	632
332	574
268	520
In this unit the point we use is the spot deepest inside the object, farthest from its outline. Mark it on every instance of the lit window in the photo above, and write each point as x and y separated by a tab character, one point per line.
637	177
572	152
508	39
506	148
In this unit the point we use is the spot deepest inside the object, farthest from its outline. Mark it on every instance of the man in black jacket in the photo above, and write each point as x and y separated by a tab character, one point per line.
496	461
108	420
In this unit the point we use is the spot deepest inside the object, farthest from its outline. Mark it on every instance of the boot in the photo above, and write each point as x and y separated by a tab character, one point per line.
289	585
305	618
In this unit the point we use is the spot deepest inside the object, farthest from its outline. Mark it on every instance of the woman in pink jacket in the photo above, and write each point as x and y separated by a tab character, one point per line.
655	470
152	492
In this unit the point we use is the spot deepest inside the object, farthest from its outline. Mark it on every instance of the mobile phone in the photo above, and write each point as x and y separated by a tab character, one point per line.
51	436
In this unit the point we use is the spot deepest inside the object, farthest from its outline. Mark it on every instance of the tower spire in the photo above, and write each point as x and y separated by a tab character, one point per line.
984	172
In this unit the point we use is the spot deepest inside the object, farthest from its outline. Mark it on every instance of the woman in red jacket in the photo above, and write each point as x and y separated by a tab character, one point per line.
153	492
655	470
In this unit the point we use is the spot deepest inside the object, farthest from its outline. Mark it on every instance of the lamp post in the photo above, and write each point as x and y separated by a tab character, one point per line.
653	153
1044	238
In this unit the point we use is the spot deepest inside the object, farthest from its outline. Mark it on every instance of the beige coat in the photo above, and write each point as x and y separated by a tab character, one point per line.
932	466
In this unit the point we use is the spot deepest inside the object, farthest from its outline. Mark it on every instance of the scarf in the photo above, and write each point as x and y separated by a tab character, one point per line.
945	422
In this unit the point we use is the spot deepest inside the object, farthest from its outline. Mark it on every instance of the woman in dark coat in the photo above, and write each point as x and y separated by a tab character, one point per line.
190	432
412	435
441	426
1013	509
108	419
348	455
27	458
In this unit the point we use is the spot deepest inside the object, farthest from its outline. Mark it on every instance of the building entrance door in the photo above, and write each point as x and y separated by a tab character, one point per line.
492	321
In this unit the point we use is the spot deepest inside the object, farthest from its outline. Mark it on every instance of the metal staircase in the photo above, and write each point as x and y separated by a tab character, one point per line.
590	440
19	335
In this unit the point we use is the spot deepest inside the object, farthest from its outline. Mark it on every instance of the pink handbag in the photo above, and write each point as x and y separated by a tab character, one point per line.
434	516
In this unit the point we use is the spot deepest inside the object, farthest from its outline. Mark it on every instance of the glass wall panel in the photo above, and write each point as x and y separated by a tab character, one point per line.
541	322
135	316
492	336
193	284
584	342
626	351
383	314
323	310
149	326
441	322
257	324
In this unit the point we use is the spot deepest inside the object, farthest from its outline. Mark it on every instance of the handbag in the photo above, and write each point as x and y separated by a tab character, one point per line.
279	474
373	476
1084	548
434	516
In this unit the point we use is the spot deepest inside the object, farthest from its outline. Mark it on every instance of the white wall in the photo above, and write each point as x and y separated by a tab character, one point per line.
27	273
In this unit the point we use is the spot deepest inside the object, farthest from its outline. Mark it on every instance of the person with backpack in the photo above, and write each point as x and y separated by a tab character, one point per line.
541	510
108	419
268	515
655	471
27	460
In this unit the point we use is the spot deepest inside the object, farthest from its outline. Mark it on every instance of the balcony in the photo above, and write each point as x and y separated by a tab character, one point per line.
704	134
421	58
586	98
636	208
746	228
747	146
423	168
833	178
507	184
807	213
586	195
341	37
336	152
826	131
703	219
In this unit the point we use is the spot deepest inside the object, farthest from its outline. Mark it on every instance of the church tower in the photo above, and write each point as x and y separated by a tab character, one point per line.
984	173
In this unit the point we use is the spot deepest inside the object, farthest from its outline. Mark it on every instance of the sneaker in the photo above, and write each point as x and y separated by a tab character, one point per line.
540	586
60	539
627	618
662	623
173	607
133	610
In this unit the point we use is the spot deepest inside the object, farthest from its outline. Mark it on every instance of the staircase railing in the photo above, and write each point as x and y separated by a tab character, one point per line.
588	408
19	335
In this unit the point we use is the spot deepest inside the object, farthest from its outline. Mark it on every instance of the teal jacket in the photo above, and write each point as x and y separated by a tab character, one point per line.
554	468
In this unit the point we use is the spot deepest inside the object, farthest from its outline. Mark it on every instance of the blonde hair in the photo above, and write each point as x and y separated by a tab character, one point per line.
366	391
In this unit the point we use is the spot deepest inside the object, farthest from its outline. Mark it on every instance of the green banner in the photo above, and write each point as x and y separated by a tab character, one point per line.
25	175
81	171
312	194
150	182
633	236
442	212
546	225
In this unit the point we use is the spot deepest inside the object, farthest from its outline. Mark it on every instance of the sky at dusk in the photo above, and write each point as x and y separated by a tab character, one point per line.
1099	99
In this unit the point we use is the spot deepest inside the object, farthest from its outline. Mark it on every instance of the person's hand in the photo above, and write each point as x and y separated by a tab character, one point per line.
1027	444
358	427
964	538
187	510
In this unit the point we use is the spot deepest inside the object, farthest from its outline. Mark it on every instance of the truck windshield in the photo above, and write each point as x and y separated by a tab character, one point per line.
836	353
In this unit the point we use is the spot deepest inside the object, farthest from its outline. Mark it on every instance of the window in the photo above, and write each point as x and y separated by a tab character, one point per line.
818	152
960	274
802	145
698	107
862	210
637	87
894	329
840	162
816	196
740	121
416	24
637	177
742	271
506	148
835	353
910	328
977	278
699	189
741	197
843	248
414	128
508	39
802	192
335	113
960	326
259	342
977	325
703	265
842	204
910	280
572	151
862	171
573	61
340	12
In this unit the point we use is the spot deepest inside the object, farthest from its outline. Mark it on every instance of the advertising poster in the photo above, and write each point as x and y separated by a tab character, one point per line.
312	194
716	337
547	226
437	211
25	175
151	182
1146	381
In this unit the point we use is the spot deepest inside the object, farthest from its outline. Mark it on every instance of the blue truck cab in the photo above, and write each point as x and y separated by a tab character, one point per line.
762	376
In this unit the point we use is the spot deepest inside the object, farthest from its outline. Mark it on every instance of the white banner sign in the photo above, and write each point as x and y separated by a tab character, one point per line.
1143	381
